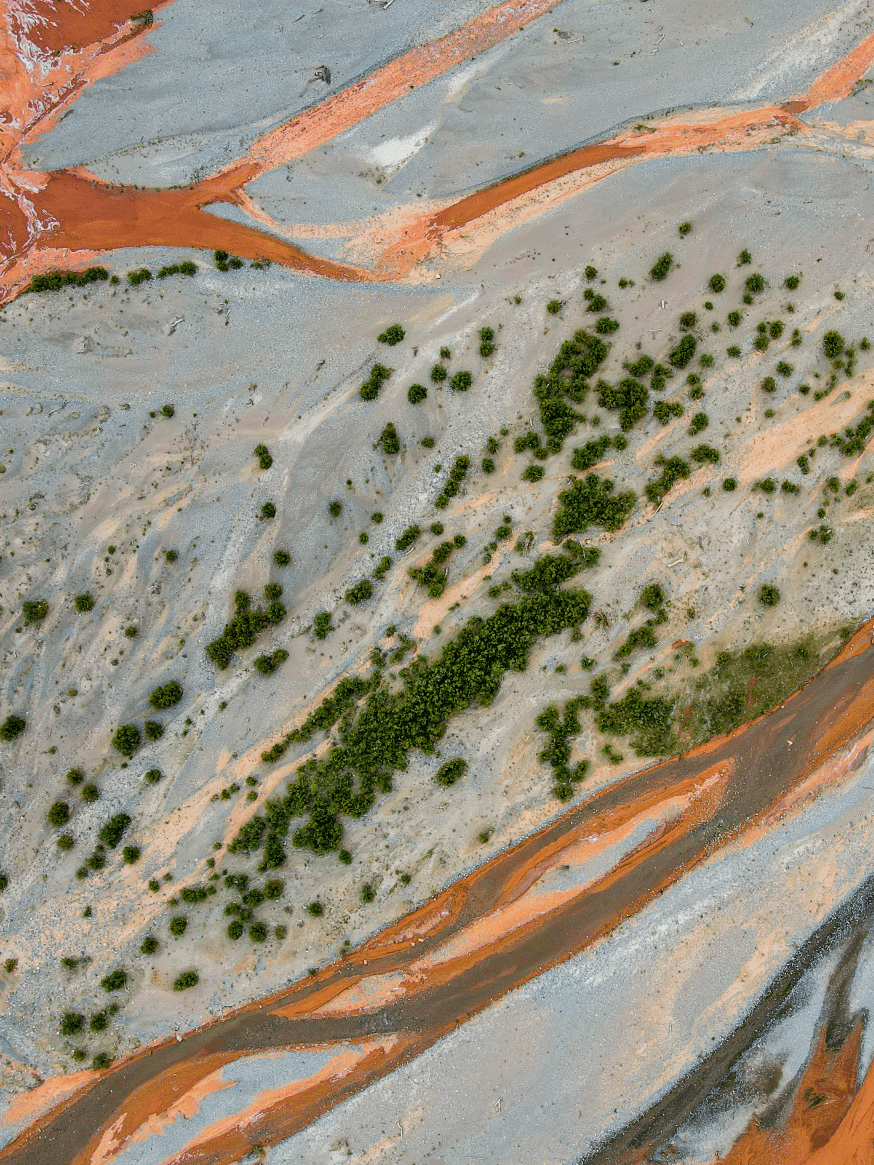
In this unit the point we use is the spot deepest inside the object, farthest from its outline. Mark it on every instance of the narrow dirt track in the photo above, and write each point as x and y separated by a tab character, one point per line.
728	784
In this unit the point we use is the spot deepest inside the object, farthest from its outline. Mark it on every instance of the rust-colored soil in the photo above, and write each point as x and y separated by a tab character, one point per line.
486	934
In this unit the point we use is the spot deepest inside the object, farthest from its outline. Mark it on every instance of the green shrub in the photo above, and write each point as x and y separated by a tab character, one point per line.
149	945
451	771
152	776
371	387
755	283
604	325
416	394
168	411
591	453
75	777
688	320
649	723
716	283
389	440
315	909
34	610
789	487
743	258
115	980
596	302
591	272
445	354
832	345
360	592
235	930
673	469
113	830
382	568
769	384
65	842
90	794
152	730
630	397
141	275
185	980
554	306
84	603
322	625
769	595
792	281
178	925
684	228
438	373
55	280
407	538
58	814
734	319
166	696
281	557
267	664
662	266
533	473
268	510
11	727
127	739
488	465
99	1022
766	485
590	501
243	629
733	350
171	555
263	455
461	381
640	637
664	410
367	893
700	421
682	354
71	1023
130	632
548	572
131	854
392	335
705	454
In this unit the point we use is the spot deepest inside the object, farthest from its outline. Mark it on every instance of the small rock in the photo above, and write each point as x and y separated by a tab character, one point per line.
82	345
34	409
103	413
124	407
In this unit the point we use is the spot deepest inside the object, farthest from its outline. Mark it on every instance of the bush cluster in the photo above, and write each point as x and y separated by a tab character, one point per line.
450	487
34	610
392	335
630	397
389	440
377	738
578	359
265	459
55	280
267	664
683	353
673	470
416	393
560	727
166	696
360	592
591	501
664	410
245	627
662	266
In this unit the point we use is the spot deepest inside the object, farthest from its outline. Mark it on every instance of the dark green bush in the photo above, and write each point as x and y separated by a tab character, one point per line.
548	572
451	771
766	485
743	258
716	283
178	925
322	625
141	275
681	355
71	1023
75	777
315	909
407	538
267	664
640	637
149	945
416	394
664	410
604	325
127	739
166	696
171	555
367	893
34	610
699	423
591	453
152	776
389	440
268	510
705	453
673	469
115	980
438	373
84	603
792	281
242	631
662	266
65	842
755	283
185	980
392	335
688	320
554	307
90	794
461	381
649	723
113	830
533	473
11	727
264	458
152	730
360	592
371	387
281	557
832	345
769	595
